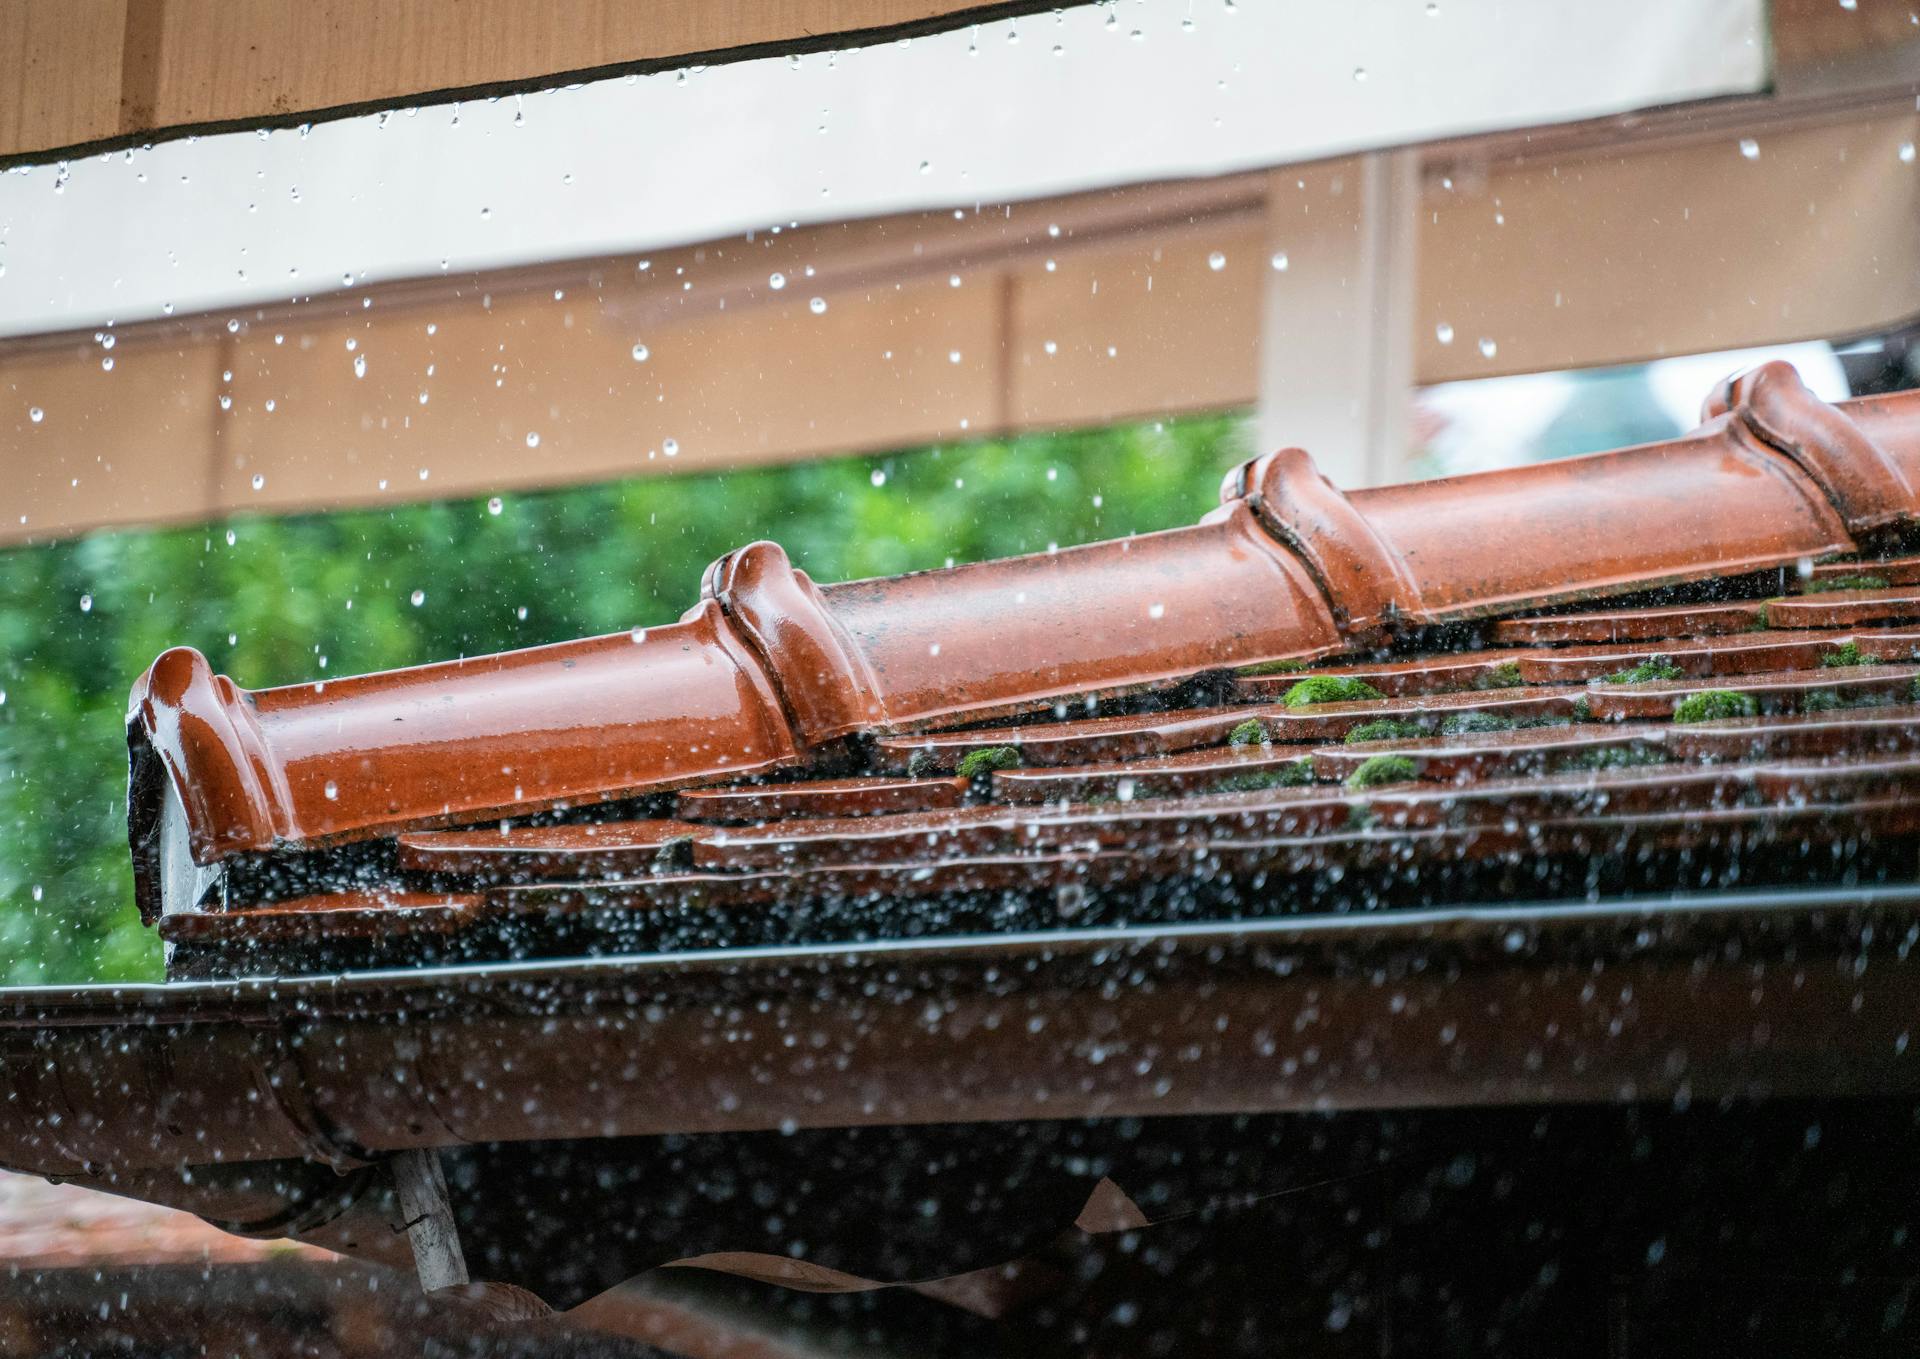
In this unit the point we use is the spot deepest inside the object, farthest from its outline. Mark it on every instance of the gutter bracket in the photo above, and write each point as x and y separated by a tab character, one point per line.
426	1219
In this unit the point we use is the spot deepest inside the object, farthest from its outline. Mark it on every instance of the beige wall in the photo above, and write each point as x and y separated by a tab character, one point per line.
1605	254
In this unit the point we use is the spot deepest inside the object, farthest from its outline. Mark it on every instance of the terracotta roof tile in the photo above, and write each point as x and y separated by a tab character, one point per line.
770	672
1309	701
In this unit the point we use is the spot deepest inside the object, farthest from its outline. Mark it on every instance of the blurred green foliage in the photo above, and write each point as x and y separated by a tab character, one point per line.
295	598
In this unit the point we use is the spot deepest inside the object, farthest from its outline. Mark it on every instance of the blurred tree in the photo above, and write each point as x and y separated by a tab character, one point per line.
272	601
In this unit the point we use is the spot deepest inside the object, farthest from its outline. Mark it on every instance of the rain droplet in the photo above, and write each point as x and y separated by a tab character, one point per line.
1750	148
1156	610
418	597
1906	153
495	505
1488	349
817	305
640	353
953	356
359	365
1279	261
1359	75
259	481
926	167
639	635
670	447
1216	261
1443	333
35	414
232	537
332	791
878	477
776	281
533	439
86	603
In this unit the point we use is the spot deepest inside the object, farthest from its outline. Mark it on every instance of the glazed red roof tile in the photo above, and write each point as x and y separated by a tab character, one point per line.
1844	608
770	672
1480	755
1892	570
1125	707
1772	691
820	797
1629	625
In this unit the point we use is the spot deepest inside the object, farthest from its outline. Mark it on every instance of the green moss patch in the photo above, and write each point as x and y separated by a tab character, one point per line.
1385	729
1713	705
1252	732
1271	668
979	763
1608	757
1503	676
1383	769
1295	774
1465	724
1330	689
1821	587
1652	668
1846	654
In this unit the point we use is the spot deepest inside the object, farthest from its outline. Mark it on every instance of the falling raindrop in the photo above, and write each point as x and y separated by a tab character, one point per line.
1359	75
259	481
495	505
1443	333
878	477
332	791
1279	261
533	439
1750	148
670	447
776	281
926	167
359	365
953	356
1906	153
418	597
1488	349
640	353
1216	261
817	305
35	414
86	603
